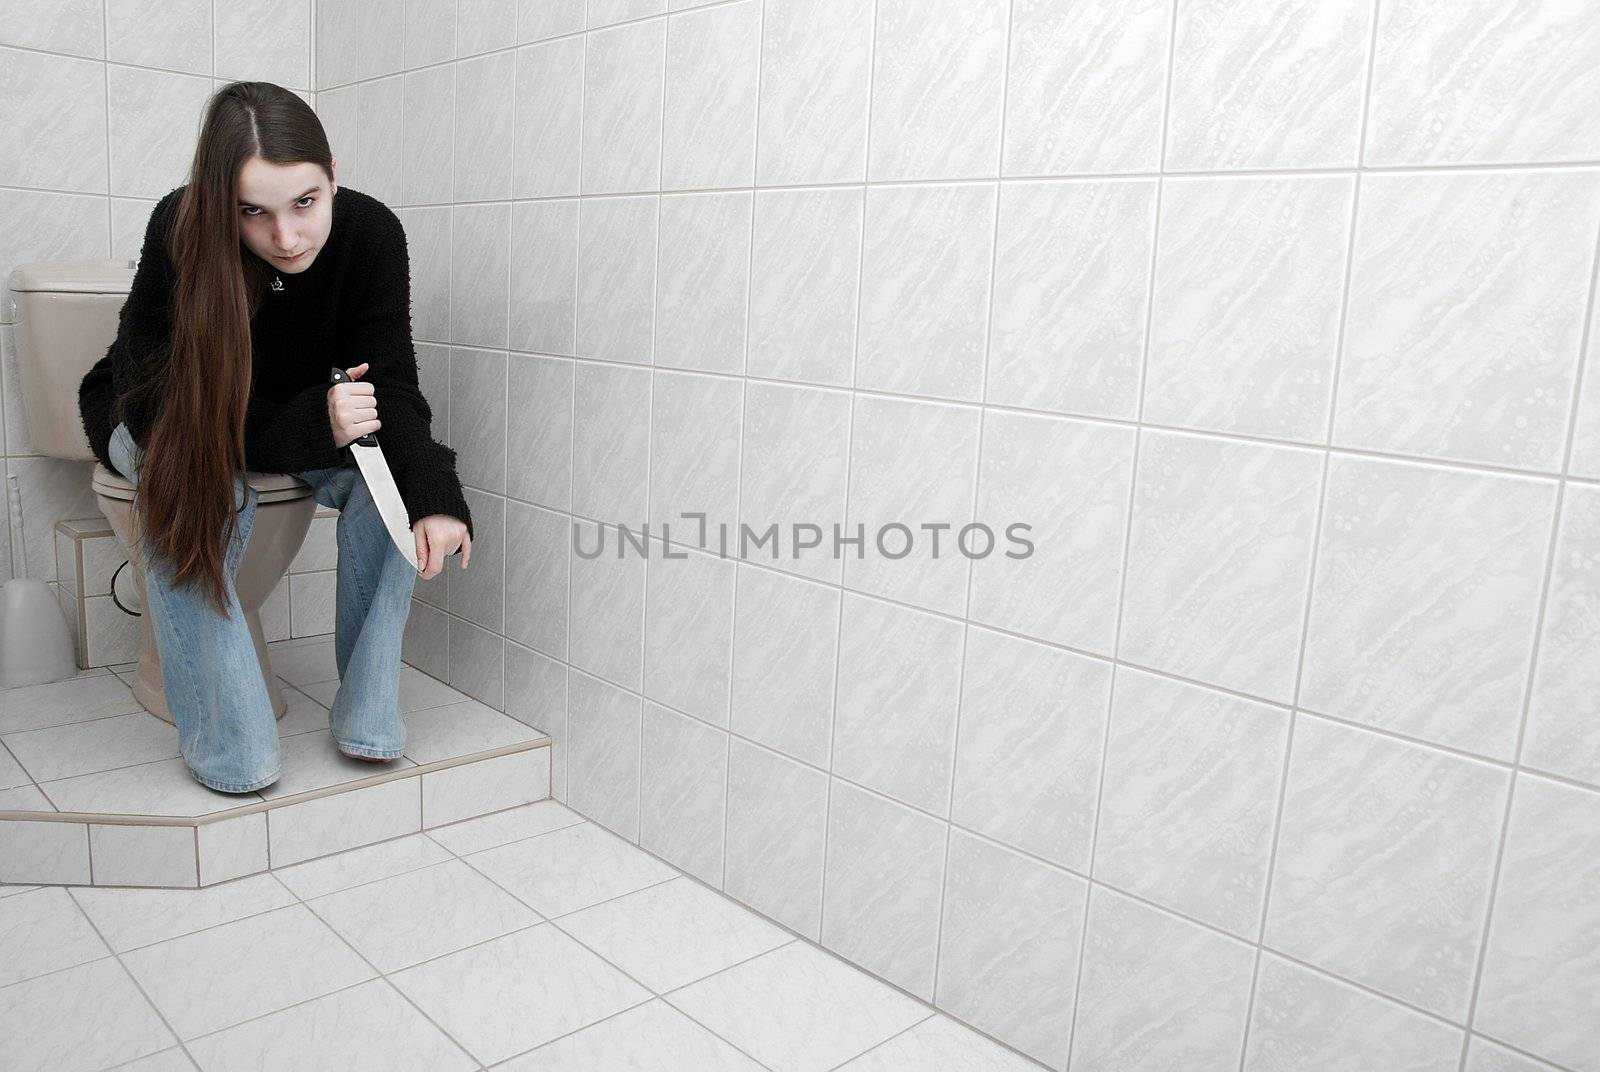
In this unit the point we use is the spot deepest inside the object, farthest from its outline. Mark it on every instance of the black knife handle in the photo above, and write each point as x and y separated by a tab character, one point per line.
339	375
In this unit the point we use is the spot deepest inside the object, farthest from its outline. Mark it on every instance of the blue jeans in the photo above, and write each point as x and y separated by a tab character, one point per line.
227	732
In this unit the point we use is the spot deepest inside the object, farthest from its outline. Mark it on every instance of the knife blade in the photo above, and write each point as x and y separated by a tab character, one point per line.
380	482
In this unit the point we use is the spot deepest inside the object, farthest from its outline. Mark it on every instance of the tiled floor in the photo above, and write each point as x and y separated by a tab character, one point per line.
529	939
86	745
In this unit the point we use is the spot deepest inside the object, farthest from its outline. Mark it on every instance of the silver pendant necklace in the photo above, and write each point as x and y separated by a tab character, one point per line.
277	283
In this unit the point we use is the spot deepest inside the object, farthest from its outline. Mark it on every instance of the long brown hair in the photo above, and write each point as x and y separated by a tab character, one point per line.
196	443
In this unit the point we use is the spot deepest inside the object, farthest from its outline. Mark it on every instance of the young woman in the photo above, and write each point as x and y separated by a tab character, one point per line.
256	278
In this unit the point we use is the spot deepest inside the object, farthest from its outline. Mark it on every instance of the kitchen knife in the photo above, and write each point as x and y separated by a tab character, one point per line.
380	482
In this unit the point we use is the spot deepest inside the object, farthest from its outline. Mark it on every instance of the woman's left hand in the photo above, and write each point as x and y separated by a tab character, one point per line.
440	535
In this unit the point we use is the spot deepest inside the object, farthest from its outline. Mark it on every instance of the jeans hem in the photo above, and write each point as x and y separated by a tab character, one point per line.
370	753
244	787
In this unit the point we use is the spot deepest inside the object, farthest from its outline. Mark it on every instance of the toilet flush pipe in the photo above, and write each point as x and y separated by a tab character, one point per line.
14	500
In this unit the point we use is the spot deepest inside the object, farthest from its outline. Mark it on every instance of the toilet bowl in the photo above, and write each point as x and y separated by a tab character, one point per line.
284	510
65	315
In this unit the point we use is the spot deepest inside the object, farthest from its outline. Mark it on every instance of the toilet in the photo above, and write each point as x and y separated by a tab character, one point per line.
65	317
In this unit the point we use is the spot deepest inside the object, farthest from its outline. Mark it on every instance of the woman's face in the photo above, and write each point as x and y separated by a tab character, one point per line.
285	211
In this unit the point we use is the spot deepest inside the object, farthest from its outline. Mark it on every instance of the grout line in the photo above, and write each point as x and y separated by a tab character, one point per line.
572	424
173	889
1443	463
127	64
105	88
451	857
149	1001
139	1061
1442	171
380	977
1127	537
849	450
296	899
977	496
679	873
505	394
378	974
739	575
654	368
817	947
1316	543
553	921
1294	710
1453	464
451	210
881	1047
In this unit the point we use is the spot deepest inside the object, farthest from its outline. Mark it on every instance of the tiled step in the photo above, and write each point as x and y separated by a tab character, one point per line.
93	791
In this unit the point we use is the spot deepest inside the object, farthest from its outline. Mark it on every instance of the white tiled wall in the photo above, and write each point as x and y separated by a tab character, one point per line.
1281	750
1269	318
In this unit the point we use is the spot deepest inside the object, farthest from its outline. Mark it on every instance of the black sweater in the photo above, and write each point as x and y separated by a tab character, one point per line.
353	304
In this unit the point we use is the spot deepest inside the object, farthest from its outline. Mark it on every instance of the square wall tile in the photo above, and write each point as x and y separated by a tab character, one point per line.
1425	600
1226	353
1219	559
1385	856
938	76
1054	492
1272	87
1190	798
1158	991
1071	292
1467	298
1430	107
1030	736
1065	116
874	845
1009	944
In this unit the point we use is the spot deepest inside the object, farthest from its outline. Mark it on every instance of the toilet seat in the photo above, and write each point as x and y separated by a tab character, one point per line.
287	506
270	487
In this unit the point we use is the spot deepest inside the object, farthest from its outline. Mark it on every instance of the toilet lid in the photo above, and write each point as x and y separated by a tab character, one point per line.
270	487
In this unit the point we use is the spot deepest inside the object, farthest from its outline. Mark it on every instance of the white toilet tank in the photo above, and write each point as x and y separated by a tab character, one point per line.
64	316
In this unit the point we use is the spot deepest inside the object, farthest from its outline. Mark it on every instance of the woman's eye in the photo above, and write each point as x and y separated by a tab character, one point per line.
252	211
